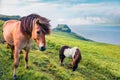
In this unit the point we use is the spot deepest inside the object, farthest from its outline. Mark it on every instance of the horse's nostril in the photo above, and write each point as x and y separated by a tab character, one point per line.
42	48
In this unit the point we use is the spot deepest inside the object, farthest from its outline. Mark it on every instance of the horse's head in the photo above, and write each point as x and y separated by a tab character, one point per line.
40	29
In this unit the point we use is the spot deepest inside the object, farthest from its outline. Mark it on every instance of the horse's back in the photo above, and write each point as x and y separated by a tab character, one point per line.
9	22
8	30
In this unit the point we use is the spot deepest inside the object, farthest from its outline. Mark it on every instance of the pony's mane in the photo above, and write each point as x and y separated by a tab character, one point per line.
28	21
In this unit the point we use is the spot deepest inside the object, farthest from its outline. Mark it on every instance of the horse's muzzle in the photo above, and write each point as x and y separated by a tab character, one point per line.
42	48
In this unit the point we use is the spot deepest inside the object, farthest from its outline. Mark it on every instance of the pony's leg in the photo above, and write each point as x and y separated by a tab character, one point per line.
16	61
61	60
61	56
26	58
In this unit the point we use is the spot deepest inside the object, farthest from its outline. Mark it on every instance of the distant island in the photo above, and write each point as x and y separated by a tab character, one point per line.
65	28
62	28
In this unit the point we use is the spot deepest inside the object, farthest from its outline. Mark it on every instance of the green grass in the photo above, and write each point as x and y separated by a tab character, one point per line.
99	61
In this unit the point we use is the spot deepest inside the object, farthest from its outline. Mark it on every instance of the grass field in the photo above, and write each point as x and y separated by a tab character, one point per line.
99	61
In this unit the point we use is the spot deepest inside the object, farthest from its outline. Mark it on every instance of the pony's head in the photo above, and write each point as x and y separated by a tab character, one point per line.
76	60
36	27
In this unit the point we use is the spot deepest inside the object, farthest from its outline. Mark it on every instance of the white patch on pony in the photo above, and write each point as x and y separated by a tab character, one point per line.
70	52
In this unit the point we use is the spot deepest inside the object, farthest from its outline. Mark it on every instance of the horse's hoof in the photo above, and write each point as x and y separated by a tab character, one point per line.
27	67
14	77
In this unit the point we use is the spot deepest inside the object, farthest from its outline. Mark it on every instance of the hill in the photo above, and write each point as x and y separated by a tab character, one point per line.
1	37
6	17
62	28
99	61
65	29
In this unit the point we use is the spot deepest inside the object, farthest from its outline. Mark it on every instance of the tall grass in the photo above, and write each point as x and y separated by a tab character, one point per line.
99	61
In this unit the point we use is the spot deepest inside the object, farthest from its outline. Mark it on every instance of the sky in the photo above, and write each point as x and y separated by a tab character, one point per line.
70	12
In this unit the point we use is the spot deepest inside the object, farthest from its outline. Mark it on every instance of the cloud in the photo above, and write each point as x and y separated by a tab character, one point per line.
65	13
87	14
84	21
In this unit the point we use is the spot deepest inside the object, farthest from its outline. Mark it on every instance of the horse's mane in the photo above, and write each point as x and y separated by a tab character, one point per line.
28	21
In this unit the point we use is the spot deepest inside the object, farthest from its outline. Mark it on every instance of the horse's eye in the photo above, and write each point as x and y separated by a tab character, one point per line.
38	32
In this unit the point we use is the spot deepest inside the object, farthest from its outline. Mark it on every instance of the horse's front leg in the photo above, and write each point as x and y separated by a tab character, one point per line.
16	61
26	58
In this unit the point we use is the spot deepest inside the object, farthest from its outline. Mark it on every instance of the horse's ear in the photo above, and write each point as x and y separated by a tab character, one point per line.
37	21
41	22
49	20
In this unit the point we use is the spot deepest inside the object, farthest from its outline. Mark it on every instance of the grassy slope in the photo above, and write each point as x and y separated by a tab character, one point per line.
99	61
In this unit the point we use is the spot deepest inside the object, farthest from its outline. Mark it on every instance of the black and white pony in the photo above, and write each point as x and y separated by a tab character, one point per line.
73	53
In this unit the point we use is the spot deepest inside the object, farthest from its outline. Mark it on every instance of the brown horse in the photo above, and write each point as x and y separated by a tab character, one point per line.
73	53
19	33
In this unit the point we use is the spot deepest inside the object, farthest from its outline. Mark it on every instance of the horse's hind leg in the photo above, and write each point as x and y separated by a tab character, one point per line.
26	58
12	49
61	58
12	53
61	61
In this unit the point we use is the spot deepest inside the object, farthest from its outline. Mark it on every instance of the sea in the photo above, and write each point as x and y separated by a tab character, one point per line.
104	34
